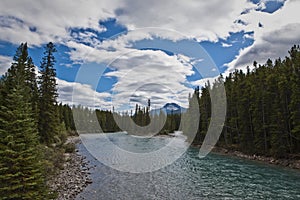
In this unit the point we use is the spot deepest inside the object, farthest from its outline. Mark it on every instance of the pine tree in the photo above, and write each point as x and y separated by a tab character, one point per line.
190	119
294	104
23	65
21	170
204	108
31	81
48	116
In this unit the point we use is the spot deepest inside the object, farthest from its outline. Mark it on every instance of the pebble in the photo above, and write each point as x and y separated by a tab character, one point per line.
73	178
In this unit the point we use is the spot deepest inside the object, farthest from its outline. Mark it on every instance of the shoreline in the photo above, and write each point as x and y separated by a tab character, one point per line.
286	163
74	177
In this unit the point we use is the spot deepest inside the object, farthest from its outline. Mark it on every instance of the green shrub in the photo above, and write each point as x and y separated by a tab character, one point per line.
69	148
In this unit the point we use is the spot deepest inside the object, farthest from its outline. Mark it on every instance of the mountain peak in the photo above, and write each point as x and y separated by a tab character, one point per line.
170	108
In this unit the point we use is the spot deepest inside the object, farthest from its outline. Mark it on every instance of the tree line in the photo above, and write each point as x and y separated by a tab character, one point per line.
263	108
263	118
32	126
139	122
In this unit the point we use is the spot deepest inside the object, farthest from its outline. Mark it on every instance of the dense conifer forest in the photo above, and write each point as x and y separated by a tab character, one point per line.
263	110
263	118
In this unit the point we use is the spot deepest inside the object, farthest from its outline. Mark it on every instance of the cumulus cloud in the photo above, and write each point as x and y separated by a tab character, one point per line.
43	21
39	22
73	93
151	75
279	34
112	48
203	20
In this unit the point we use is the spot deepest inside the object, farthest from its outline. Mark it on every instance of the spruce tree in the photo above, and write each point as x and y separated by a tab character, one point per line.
295	98
31	81
23	65
21	170
190	121
48	116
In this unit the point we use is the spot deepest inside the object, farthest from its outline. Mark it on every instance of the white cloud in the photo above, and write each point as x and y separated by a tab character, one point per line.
44	21
203	20
5	63
73	93
151	75
51	20
280	33
226	45
39	22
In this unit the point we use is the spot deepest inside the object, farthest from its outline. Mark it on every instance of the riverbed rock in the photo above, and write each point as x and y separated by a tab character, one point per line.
73	178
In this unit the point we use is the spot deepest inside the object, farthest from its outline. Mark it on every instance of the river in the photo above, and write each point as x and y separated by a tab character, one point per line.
189	177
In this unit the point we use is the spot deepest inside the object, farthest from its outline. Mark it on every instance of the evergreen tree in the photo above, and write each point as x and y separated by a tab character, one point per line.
204	109
23	65
263	108
190	120
21	164
48	116
294	103
31	81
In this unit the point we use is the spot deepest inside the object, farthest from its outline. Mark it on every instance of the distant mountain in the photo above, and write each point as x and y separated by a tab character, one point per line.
169	108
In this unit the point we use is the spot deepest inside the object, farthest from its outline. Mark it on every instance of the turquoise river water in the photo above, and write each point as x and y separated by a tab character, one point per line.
189	177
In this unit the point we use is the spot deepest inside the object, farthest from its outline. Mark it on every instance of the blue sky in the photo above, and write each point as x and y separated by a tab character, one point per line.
121	52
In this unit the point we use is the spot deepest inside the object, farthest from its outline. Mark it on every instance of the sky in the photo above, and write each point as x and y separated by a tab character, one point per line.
122	52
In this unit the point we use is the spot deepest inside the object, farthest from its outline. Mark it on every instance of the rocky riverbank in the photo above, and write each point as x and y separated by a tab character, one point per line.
74	177
290	163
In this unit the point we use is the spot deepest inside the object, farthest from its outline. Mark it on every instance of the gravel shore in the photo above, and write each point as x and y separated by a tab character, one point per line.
290	163
74	177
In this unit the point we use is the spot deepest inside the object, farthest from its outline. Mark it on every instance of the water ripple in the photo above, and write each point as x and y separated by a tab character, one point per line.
214	177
